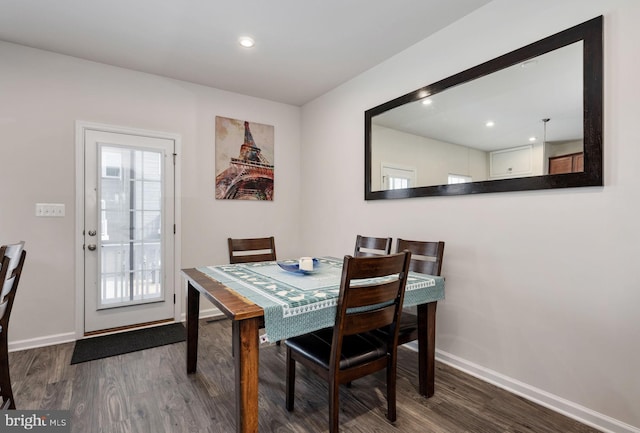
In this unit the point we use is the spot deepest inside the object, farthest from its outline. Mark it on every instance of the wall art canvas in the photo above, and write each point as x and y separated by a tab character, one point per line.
244	160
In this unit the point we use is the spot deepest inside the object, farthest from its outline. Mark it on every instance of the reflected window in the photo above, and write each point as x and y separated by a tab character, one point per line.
398	183
458	178
396	177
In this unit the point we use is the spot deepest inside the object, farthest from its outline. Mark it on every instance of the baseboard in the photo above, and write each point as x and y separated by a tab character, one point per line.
70	337
541	397
48	340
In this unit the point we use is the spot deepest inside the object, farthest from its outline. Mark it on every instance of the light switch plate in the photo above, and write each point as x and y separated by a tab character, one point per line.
49	209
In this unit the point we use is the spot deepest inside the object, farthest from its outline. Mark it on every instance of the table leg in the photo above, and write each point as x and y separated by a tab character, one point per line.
193	313
427	348
245	348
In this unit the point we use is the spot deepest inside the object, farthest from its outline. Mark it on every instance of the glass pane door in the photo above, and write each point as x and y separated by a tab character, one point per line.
130	192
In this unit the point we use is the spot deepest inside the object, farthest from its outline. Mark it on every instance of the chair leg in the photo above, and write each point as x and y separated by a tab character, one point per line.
5	379
334	405
391	393
290	380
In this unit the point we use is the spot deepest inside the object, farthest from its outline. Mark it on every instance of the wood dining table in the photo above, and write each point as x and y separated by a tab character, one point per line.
256	296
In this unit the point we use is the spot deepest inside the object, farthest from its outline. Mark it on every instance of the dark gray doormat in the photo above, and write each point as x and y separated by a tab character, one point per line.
125	342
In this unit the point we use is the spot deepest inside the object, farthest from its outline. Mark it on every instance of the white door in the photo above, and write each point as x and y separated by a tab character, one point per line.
128	229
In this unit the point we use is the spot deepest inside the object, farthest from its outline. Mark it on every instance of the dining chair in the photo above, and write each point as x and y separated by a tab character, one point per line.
426	258
13	257
370	246
349	350
252	250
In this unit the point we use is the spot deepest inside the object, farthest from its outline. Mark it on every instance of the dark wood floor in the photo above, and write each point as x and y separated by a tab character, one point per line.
150	392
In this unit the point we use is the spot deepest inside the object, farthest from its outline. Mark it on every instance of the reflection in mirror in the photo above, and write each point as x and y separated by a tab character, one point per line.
507	124
530	119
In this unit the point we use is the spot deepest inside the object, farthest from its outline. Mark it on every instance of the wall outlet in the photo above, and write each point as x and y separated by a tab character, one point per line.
49	209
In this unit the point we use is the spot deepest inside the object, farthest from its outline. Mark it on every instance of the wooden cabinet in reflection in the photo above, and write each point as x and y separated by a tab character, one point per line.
571	163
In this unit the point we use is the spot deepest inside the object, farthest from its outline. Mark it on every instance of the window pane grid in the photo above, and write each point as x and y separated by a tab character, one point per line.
131	247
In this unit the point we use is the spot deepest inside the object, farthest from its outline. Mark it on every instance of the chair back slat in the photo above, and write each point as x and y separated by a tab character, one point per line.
251	250
362	296
357	323
371	267
4	267
426	257
371	246
14	253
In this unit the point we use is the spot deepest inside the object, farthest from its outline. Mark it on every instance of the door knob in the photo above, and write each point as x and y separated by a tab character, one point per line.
92	232
91	247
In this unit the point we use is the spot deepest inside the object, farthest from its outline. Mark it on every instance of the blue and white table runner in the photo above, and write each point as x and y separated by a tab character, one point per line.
295	304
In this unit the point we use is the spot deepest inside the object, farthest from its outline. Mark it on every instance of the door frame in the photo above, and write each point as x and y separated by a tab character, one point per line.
81	127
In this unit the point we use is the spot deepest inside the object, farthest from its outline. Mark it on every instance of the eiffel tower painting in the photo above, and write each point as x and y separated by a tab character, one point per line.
244	169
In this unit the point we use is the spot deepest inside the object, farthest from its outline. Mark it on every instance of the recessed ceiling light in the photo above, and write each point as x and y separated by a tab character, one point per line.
246	41
489	124
532	139
426	102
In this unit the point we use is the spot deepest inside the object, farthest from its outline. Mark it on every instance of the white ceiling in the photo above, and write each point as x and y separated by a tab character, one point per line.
303	48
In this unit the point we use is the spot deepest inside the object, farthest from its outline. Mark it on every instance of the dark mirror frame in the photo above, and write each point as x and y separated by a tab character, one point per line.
590	33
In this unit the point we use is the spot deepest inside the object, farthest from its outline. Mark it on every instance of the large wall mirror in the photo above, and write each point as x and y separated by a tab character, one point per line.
530	119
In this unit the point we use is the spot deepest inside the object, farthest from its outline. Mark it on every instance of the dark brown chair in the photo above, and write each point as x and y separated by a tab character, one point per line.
252	250
12	261
368	246
426	258
349	350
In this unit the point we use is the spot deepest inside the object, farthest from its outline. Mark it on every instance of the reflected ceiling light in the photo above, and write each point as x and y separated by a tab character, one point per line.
544	131
426	102
489	124
246	41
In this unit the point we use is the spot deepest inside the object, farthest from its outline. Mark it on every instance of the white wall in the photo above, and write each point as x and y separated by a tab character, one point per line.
542	289
43	94
564	148
433	160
